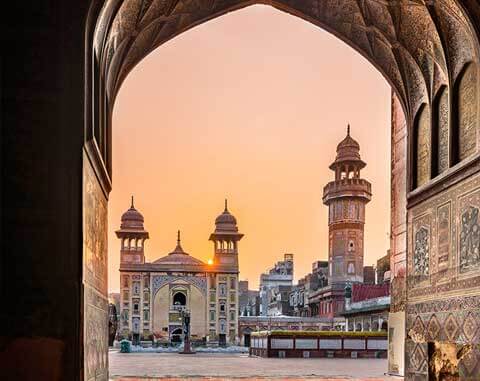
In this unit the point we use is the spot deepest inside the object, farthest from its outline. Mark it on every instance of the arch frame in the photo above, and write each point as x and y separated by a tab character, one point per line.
99	104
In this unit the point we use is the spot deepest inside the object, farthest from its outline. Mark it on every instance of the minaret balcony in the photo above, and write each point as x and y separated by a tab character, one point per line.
357	188
226	251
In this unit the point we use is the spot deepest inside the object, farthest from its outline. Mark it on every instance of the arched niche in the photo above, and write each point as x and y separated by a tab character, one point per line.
422	147
441	132
466	106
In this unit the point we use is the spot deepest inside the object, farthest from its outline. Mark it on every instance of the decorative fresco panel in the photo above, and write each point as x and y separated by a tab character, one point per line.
446	309
96	336
423	148
443	239
467	113
470	240
95	332
469	232
95	231
421	255
158	281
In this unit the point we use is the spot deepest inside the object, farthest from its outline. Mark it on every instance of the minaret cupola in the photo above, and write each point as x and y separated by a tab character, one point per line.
132	235
225	239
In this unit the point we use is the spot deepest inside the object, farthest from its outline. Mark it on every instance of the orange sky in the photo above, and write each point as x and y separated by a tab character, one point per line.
249	106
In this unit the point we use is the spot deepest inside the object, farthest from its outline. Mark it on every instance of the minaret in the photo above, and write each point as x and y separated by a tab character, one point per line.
225	240
132	235
346	198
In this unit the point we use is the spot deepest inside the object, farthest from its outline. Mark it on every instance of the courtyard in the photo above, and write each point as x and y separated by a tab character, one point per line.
220	366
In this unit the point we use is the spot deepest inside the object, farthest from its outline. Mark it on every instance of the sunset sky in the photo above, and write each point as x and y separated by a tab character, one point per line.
249	107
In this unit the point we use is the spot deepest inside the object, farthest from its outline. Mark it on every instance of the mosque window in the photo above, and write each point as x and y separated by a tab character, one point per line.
222	326
212	281
351	268
223	289
136	288
351	245
136	325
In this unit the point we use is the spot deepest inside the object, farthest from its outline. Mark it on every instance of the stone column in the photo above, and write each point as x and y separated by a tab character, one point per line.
398	239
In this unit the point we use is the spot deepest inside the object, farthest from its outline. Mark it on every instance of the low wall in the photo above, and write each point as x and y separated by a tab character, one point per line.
319	344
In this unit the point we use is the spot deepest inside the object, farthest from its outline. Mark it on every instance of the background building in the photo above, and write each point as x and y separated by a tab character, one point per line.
383	269
280	275
248	300
367	307
153	295
279	303
300	295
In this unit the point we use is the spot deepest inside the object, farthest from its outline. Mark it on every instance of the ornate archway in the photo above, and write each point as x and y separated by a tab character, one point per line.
429	53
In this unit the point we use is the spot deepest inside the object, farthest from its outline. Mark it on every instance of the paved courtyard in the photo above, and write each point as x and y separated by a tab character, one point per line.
228	366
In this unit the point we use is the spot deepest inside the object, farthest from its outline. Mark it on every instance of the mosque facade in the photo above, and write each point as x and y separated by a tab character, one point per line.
154	295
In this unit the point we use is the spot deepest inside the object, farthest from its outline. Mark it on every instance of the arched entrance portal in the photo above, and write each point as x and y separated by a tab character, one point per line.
179	299
429	53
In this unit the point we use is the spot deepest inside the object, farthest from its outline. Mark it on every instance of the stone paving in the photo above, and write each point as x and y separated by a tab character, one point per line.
220	367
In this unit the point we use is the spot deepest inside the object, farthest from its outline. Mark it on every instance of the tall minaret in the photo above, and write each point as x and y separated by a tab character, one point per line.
132	235
225	240
346	198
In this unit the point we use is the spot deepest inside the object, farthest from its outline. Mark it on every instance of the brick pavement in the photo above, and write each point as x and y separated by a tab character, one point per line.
223	367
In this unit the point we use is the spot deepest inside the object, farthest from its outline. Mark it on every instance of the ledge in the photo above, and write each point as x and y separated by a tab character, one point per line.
449	178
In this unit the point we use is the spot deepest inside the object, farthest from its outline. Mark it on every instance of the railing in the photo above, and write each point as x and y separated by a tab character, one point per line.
347	183
319	344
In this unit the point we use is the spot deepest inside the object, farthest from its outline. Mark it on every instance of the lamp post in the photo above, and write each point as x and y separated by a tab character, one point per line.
185	315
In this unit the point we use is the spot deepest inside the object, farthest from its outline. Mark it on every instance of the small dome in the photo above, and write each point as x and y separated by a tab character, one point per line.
179	257
132	219
226	221
348	151
348	148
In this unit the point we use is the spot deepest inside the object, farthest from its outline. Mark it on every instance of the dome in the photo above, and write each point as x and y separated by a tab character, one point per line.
348	150
226	221
132	219
348	147
178	256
